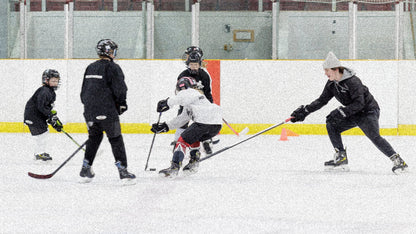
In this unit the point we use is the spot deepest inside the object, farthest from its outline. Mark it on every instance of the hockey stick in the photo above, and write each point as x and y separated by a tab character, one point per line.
245	130
37	176
231	146
72	139
151	145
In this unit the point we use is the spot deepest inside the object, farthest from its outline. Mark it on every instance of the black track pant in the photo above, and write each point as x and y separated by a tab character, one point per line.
368	123
95	136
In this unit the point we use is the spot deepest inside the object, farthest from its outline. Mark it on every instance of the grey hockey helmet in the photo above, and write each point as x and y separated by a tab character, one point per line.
50	73
105	47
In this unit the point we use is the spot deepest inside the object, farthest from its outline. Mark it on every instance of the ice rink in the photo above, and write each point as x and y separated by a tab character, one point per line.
261	186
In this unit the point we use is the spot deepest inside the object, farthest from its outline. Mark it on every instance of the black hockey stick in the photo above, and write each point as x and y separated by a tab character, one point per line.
231	146
72	139
153	141
37	176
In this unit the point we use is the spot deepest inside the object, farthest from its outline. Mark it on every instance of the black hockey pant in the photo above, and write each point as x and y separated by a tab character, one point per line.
95	136
368	123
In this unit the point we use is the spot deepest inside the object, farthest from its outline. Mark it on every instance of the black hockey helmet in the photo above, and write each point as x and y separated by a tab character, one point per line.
105	47
191	49
185	83
194	57
50	73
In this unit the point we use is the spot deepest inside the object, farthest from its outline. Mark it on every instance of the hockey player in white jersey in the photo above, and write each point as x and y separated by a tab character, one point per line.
207	122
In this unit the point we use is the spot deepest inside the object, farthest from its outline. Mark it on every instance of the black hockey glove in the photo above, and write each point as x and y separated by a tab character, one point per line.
121	107
299	114
158	128
54	121
162	105
336	116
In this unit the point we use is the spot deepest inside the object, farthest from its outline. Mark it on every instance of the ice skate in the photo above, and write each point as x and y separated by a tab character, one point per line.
398	164
339	163
86	172
126	177
192	166
43	157
171	171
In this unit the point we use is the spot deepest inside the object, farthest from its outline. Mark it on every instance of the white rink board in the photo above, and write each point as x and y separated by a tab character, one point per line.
252	91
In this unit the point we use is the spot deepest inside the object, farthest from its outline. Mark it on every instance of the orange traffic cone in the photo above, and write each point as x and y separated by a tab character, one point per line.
283	135
290	133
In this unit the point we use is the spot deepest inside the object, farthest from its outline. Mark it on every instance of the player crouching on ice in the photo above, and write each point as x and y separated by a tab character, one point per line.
38	113
207	122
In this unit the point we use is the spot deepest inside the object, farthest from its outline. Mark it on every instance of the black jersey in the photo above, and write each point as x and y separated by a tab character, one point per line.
39	106
203	77
349	92
103	88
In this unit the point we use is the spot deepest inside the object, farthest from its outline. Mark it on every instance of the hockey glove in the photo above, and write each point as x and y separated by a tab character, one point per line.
299	114
121	107
336	116
54	121
158	128
162	105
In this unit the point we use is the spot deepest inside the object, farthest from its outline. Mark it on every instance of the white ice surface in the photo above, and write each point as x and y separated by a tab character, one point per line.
261	186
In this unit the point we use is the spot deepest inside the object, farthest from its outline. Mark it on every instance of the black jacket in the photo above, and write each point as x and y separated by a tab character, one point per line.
39	106
205	79
350	92
103	88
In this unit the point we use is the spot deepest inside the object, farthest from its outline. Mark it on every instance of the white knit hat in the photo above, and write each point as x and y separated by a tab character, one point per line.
331	61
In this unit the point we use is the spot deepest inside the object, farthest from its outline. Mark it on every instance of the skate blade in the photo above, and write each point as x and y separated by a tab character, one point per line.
85	180
342	168
190	172
167	175
128	182
401	171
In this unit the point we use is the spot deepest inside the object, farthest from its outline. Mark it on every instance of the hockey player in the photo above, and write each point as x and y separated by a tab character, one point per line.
104	97
38	113
359	109
207	122
203	79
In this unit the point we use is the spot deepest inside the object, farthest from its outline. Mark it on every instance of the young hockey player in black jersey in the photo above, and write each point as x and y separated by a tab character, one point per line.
207	122
359	109
38	112
104	97
203	79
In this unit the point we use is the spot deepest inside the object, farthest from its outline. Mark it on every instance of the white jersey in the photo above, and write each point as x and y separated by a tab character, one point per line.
196	107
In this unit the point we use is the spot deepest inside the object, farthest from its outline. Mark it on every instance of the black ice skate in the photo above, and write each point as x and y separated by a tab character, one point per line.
207	146
43	157
340	161
124	174
398	164
171	171
192	166
86	172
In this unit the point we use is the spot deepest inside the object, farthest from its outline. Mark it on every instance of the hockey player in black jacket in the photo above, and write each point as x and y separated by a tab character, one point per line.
38	112
104	97
195	70
359	109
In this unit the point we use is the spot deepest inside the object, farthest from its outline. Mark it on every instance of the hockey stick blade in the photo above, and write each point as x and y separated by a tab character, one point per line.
37	176
235	144
243	132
